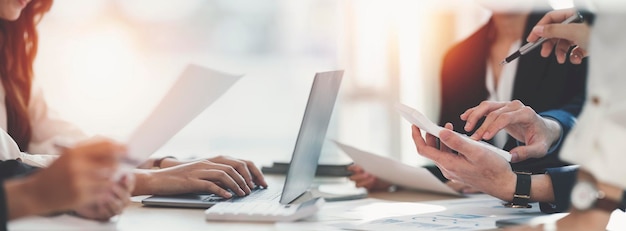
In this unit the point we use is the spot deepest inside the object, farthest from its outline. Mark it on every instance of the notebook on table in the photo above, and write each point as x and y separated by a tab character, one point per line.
299	177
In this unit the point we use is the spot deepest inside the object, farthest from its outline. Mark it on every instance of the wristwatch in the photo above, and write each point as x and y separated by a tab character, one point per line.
586	195
521	197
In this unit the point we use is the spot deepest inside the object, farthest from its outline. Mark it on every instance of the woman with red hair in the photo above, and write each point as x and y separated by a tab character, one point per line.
18	48
37	132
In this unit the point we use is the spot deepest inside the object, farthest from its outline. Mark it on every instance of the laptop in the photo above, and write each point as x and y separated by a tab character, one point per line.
304	158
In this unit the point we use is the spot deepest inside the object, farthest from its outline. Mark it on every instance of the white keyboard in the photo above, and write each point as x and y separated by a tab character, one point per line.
262	211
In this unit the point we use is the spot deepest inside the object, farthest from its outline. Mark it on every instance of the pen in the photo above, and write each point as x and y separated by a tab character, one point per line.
532	45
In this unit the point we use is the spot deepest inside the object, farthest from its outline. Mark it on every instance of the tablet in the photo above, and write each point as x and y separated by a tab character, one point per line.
422	122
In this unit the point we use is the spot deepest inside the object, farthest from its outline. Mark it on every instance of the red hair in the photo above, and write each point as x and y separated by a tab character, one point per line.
18	48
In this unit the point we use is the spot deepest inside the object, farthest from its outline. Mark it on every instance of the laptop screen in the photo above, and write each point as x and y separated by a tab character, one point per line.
312	134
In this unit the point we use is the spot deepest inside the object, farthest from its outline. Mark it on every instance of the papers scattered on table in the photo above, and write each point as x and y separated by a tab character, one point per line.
195	90
335	215
476	213
397	172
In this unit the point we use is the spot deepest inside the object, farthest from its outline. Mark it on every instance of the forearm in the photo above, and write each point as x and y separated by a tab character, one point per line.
540	189
143	182
21	199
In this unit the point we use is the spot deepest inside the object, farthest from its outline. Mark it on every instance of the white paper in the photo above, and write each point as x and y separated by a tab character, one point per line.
397	172
421	121
195	90
475	213
335	215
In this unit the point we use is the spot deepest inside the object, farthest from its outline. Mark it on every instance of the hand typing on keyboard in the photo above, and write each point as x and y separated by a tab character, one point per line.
257	193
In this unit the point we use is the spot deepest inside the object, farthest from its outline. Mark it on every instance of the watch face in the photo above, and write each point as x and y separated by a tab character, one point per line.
584	195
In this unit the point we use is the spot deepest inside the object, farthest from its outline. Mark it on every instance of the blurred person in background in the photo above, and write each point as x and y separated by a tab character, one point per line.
596	143
37	132
18	46
476	88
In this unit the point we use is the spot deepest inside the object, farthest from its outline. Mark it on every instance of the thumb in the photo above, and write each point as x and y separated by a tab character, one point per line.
525	152
462	145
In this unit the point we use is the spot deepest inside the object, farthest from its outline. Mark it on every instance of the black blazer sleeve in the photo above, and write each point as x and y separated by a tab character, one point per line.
10	169
563	180
4	215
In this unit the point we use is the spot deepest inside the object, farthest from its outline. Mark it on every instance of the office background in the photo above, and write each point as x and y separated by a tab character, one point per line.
104	64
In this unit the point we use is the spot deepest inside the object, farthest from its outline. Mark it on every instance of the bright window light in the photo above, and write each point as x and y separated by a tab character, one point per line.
561	4
159	11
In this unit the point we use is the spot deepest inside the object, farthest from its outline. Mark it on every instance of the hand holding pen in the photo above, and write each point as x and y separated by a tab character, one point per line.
556	30
562	36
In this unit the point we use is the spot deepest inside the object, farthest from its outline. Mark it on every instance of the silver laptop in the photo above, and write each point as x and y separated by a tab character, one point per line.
304	159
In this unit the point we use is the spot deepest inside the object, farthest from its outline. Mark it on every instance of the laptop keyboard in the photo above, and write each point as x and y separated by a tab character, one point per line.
260	194
257	194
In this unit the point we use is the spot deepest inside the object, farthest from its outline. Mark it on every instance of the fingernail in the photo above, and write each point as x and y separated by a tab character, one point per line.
467	126
538	30
514	156
241	192
228	195
486	135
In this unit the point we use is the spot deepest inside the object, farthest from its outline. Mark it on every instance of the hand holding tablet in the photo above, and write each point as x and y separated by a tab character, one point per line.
421	121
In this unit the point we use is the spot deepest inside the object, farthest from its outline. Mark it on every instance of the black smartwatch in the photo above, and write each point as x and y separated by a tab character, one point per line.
521	197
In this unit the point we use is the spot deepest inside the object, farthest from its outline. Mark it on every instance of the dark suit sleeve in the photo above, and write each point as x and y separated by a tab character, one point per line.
10	169
563	180
14	168
4	215
567	122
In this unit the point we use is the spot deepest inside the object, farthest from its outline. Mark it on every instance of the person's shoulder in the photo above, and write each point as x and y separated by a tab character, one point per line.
478	36
472	46
477	39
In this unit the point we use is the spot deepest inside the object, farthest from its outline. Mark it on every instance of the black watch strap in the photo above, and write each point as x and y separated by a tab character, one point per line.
623	205
521	197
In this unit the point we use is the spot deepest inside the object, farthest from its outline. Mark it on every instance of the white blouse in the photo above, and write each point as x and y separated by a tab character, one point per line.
597	142
47	131
504	91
